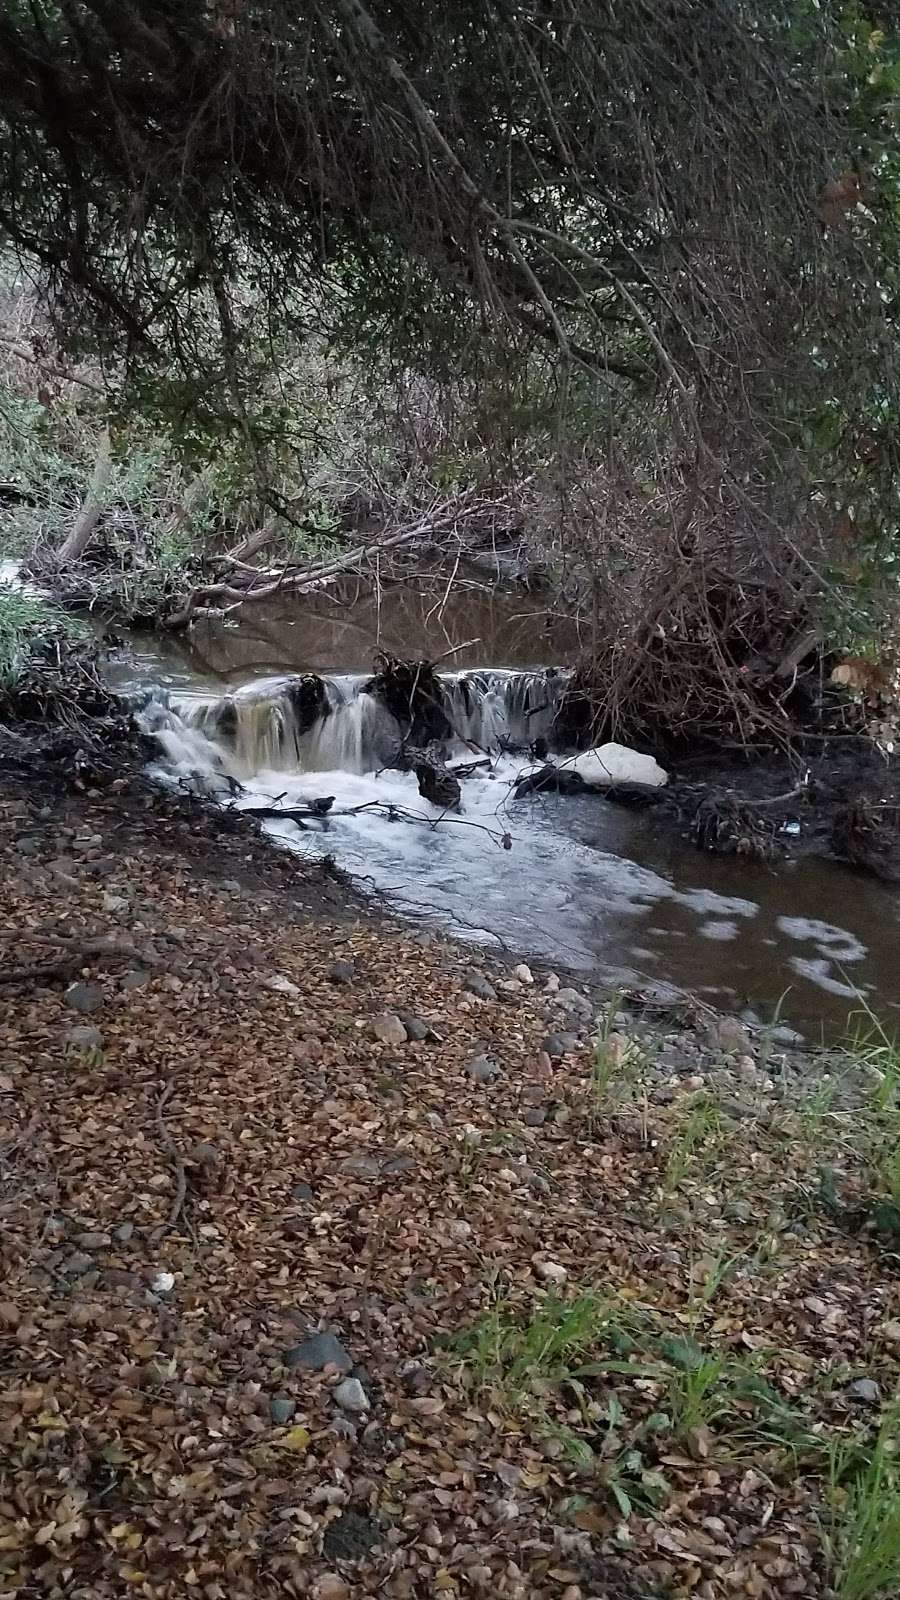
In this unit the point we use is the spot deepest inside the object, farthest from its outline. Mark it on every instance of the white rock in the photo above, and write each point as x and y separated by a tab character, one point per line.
616	763
163	1283
460	1230
282	985
351	1396
550	1272
523	973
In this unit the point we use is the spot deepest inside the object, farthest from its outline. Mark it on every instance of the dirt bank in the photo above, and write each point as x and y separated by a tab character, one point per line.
598	1323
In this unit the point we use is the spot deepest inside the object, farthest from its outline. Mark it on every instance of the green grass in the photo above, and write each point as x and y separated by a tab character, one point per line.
864	1540
511	1356
699	1136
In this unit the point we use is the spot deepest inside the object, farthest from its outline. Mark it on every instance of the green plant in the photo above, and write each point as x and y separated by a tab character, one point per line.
512	1356
699	1135
696	1395
615	1055
24	622
864	1539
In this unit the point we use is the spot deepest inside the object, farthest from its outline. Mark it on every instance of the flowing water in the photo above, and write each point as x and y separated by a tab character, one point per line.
575	881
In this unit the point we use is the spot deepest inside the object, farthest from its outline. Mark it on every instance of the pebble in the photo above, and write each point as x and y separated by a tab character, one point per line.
282	985
534	1117
320	1350
578	1004
84	1038
302	1191
783	1035
523	973
330	1587
351	1396
416	1379
550	1272
477	984
282	1409
483	1069
84	997
163	1283
551	983
864	1389
460	1230
342	972
93	1241
558	1045
124	1232
730	1035
389	1029
416	1029
137	979
891	1332
76	1264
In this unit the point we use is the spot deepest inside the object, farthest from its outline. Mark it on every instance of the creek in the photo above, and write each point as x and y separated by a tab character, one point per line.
576	881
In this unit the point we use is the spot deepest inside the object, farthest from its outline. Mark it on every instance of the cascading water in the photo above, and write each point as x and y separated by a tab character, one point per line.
572	880
312	725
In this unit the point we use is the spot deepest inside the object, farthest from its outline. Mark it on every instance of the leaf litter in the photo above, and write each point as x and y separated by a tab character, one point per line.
606	1339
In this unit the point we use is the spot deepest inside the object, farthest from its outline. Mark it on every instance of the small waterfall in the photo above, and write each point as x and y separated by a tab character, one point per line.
312	724
496	707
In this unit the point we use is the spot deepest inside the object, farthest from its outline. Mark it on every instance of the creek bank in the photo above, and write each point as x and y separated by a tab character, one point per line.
247	1240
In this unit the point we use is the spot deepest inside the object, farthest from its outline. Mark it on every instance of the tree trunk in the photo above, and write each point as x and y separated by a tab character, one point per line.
75	544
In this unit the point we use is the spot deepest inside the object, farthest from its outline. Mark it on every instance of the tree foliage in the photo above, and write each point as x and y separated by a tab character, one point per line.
638	183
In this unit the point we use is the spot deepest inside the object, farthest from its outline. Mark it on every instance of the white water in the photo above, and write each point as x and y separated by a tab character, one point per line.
502	869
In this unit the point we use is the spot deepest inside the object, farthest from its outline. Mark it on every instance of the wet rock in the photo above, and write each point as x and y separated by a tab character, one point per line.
558	1045
342	972
281	1409
350	1537
84	997
320	1350
389	1029
84	1039
483	1069
351	1396
865	1390
476	983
